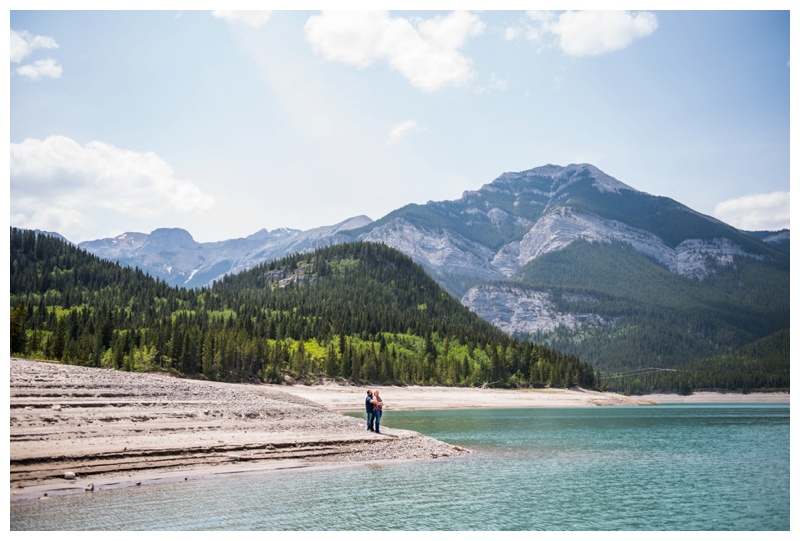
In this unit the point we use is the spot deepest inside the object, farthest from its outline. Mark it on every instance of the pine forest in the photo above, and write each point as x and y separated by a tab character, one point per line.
358	312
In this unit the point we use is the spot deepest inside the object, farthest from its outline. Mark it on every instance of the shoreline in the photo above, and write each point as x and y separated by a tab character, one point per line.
708	397
77	429
348	399
116	429
78	486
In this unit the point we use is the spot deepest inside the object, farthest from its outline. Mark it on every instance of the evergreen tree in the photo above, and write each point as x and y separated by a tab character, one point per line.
17	336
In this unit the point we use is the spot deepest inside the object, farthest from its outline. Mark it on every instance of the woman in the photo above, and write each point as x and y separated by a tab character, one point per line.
377	411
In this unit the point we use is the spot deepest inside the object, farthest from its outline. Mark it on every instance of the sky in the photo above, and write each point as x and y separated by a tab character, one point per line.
224	123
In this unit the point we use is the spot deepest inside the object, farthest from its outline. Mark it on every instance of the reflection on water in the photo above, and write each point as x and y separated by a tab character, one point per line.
682	467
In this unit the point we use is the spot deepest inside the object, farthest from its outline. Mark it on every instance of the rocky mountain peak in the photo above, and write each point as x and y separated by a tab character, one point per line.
551	180
354	223
262	233
171	238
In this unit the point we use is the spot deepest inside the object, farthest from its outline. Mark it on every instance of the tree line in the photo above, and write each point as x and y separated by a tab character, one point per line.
361	312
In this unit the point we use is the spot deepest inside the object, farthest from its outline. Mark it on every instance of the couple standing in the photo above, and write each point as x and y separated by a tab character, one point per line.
374	411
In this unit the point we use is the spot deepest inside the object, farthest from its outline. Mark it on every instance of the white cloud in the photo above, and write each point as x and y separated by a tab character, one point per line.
756	212
426	52
400	130
495	83
585	33
41	68
255	19
591	33
23	44
58	184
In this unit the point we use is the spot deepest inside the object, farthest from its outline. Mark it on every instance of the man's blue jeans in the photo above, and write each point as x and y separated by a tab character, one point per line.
370	420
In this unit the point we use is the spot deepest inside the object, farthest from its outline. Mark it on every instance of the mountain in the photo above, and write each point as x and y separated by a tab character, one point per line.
575	259
175	257
492	233
778	239
51	234
357	311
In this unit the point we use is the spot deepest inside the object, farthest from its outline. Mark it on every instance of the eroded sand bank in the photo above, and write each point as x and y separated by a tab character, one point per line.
114	429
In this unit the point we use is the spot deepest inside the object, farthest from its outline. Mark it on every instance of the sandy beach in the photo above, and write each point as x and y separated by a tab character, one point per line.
346	399
76	429
350	398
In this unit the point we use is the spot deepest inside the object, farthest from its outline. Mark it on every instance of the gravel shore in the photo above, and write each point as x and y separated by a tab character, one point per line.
76	429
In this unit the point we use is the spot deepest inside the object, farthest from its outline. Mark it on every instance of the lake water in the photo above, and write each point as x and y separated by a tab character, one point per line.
676	467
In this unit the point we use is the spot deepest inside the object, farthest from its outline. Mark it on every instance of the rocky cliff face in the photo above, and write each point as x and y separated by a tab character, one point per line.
441	250
561	226
516	309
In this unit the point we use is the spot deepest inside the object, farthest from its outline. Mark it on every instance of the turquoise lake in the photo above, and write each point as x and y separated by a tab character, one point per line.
672	467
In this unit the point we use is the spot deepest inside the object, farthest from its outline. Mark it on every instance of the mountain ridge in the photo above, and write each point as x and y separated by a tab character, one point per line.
558	228
494	249
173	255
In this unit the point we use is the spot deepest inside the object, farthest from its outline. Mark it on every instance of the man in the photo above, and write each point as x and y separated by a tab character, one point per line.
370	410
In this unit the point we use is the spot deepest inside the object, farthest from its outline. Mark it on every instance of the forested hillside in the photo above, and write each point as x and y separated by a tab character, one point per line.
663	331
762	365
361	312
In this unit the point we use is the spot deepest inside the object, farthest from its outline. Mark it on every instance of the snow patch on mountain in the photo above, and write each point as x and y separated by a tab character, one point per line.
191	275
116	247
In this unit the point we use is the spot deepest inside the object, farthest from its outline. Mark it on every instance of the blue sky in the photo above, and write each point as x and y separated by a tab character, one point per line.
226	123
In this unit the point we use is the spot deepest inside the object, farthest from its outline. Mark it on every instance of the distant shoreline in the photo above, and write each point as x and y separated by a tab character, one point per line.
345	398
705	397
